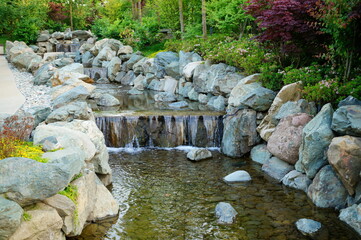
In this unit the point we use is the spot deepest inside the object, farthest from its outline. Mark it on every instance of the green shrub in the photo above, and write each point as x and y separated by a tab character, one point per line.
27	30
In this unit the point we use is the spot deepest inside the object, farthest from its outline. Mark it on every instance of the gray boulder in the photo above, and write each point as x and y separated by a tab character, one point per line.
316	137
43	37
11	215
139	66
106	54
135	91
74	67
107	100
87	59
81	34
75	110
180	104
114	67
312	229
165	58
349	101
218	79
187	57
193	95
239	133
260	154
225	213
238	176
40	113
327	190
27	181
199	154
125	50
293	107
23	61
62	62
133	60
172	70
276	168
352	216
188	70
43	74
165	97
297	180
127	79
185	89
79	93
259	99
346	120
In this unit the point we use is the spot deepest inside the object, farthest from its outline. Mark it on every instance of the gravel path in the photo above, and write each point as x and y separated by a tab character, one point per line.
34	95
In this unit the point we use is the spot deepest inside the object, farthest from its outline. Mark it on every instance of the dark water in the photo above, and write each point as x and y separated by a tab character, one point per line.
162	195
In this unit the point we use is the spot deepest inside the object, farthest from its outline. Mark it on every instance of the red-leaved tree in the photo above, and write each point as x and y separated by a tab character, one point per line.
57	12
287	27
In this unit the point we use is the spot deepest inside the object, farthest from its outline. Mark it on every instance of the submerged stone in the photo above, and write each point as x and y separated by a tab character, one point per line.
225	213
238	176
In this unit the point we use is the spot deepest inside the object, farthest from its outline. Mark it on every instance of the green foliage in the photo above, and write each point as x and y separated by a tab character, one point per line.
307	75
152	50
27	30
79	175
71	192
26	216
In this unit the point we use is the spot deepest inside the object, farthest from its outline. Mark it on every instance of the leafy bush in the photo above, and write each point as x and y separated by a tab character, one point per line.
11	147
27	30
71	192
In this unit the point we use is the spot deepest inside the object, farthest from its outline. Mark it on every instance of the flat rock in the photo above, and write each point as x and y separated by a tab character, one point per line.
346	120
260	153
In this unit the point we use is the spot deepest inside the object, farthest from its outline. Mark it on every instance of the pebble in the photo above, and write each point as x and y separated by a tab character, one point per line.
34	95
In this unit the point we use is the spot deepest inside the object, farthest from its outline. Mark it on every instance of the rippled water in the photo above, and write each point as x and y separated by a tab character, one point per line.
162	195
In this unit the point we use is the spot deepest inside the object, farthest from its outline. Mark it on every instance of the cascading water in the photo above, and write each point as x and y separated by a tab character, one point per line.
161	131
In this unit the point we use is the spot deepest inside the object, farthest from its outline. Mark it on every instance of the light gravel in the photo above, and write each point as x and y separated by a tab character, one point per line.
34	95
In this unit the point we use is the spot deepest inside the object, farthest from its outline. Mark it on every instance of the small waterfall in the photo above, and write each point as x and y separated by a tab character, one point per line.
161	131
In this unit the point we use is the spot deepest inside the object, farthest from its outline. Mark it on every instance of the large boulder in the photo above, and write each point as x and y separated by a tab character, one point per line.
10	217
69	112
316	137
170	84
79	93
27	181
352	216
293	107
172	70
349	101
217	103
106	54
139	67
125	50
69	85
45	223
87	59
128	65
346	120
344	154
81	34
291	92
297	180
100	160
22	61
165	97
286	139
67	138
17	50
327	190
114	67
188	70
43	74
60	77
107	100
187	57
276	168
239	133
218	79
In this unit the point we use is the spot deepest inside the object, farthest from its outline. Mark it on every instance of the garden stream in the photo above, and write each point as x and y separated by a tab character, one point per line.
162	195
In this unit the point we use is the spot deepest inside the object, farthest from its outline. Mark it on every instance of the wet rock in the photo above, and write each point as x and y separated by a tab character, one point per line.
225	213
346	120
45	223
107	100
316	137
291	92
312	229
352	216
75	110
260	154
238	176
114	67
79	93
165	97
349	101
218	103
344	154
181	104
297	180
199	154
276	168
327	190
188	70
286	139
33	181
239	134
11	215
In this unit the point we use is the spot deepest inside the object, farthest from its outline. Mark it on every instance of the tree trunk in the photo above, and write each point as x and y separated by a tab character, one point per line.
204	19
71	16
140	10
181	17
